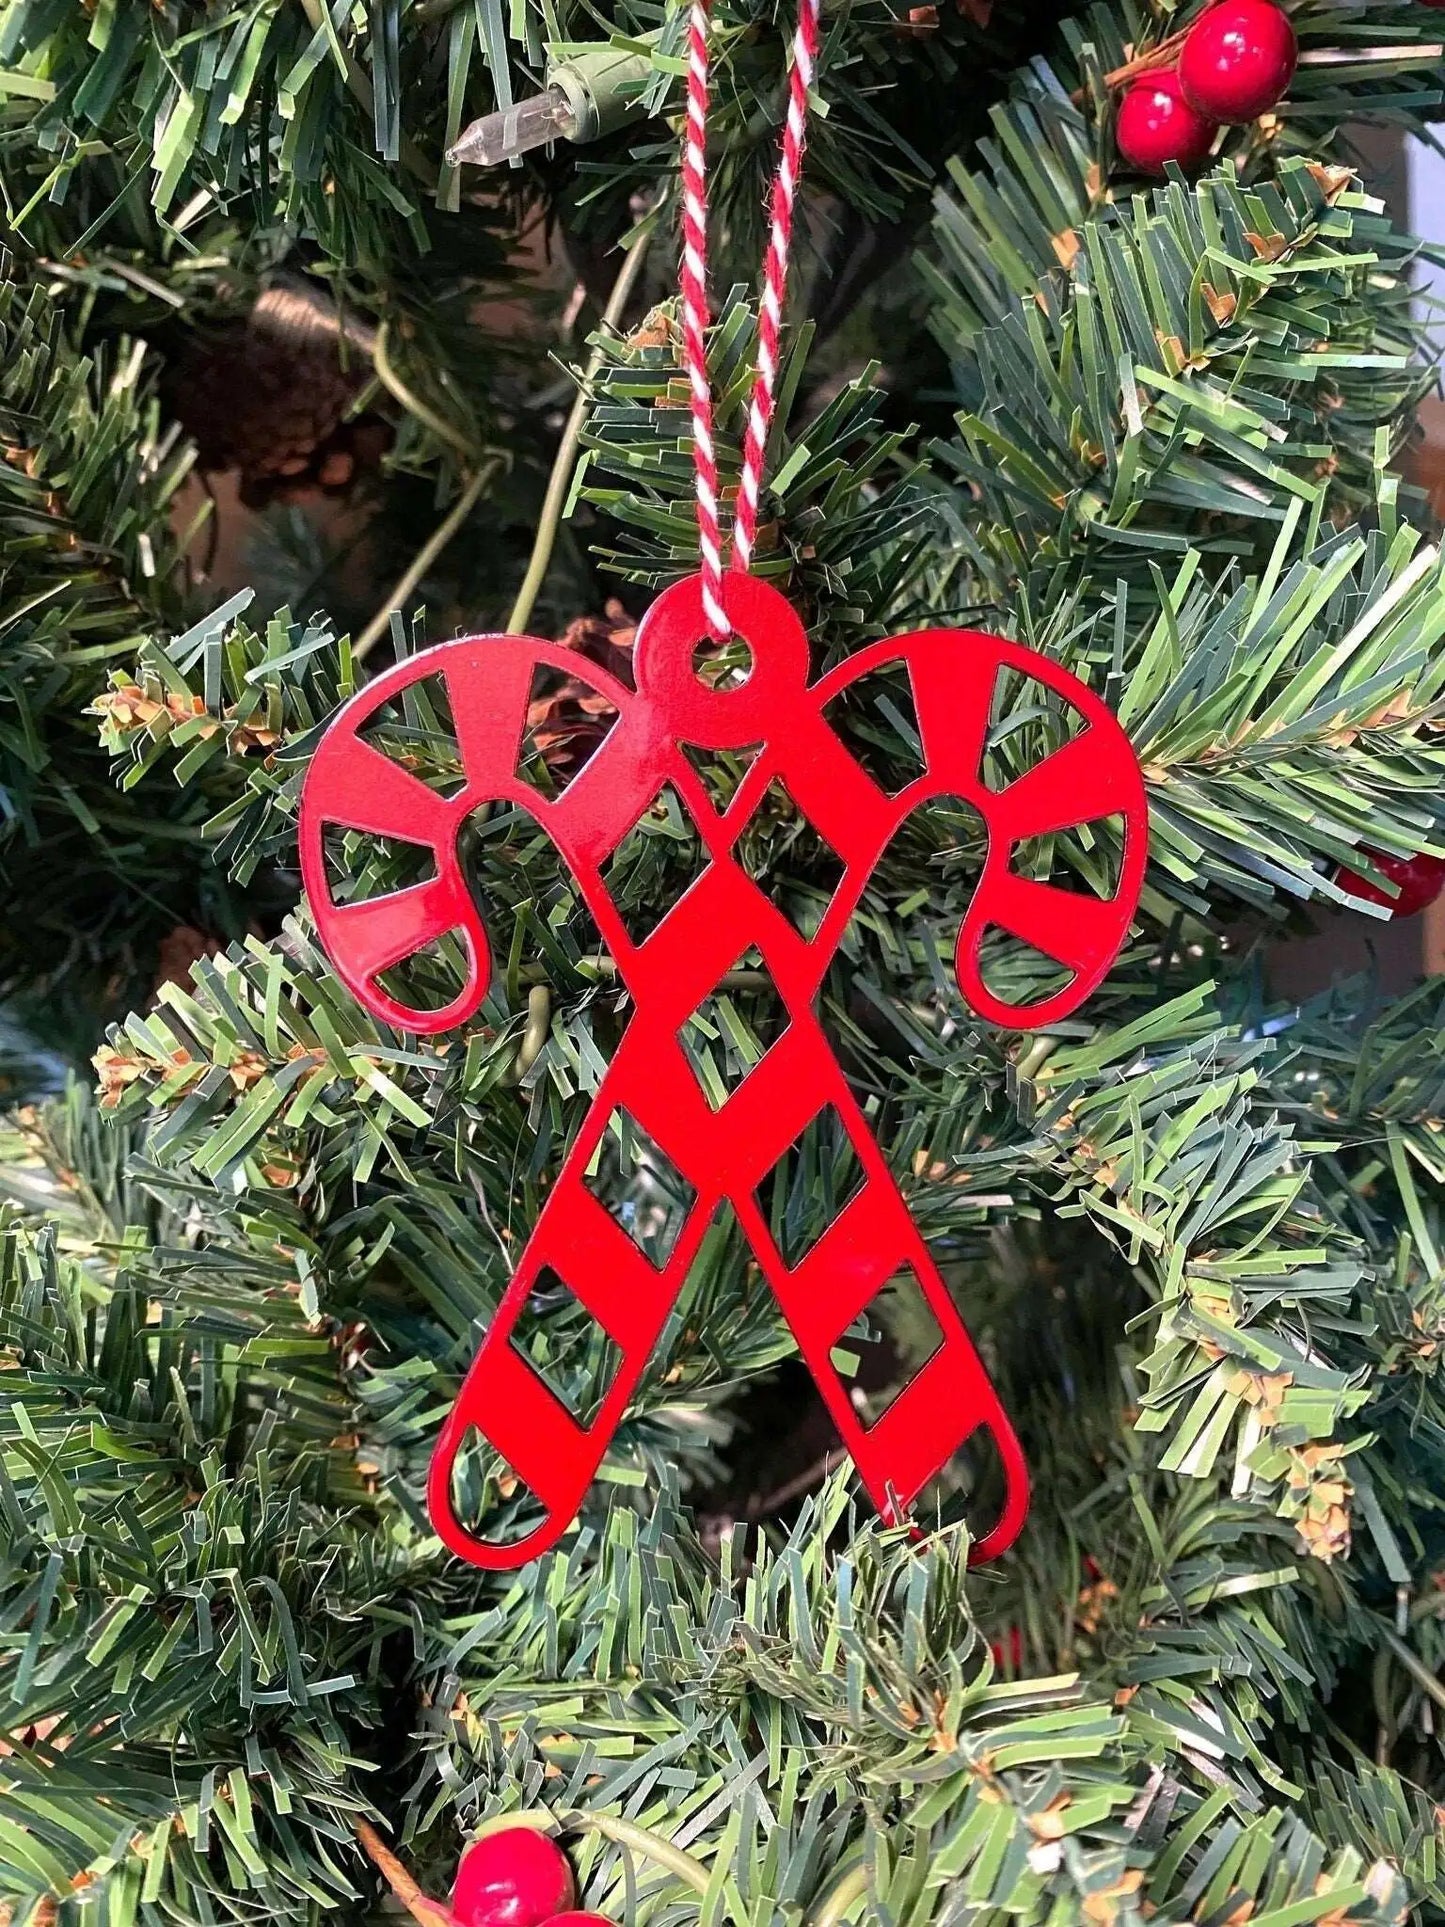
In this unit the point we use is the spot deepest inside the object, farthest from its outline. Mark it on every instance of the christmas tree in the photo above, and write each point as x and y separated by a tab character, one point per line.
1098	341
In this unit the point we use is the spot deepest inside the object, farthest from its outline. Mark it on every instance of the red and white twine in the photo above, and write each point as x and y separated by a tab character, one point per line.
770	321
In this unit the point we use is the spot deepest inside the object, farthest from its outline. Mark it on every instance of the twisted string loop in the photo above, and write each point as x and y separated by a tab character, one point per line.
770	322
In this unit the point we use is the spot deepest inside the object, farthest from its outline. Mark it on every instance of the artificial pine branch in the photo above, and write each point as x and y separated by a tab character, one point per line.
1197	1236
89	474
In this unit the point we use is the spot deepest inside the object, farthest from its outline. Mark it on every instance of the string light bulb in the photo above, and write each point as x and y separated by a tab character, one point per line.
587	94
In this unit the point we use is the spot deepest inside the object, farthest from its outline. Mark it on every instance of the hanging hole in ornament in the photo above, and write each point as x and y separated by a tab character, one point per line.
887	1346
811	1185
415	730
877	719
489	1499
361	867
722	665
573	1354
568	721
1019	974
431	977
1028	723
1087	858
641	1188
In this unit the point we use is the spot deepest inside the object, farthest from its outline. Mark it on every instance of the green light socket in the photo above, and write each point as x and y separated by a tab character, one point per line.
603	89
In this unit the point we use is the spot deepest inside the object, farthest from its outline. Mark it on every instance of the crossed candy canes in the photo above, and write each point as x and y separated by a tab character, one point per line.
724	1153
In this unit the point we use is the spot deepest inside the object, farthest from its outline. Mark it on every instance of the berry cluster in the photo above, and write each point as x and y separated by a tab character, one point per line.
1234	63
517	1878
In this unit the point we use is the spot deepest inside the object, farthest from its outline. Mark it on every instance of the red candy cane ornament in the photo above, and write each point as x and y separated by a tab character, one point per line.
725	1154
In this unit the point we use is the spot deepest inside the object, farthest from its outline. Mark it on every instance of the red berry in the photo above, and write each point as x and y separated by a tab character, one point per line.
1156	124
1420	880
515	1878
600	1920
1238	59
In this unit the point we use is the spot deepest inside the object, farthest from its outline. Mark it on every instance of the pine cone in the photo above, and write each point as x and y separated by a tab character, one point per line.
569	719
269	396
180	950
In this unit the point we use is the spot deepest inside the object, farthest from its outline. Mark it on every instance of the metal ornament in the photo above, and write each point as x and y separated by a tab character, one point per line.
725	1154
